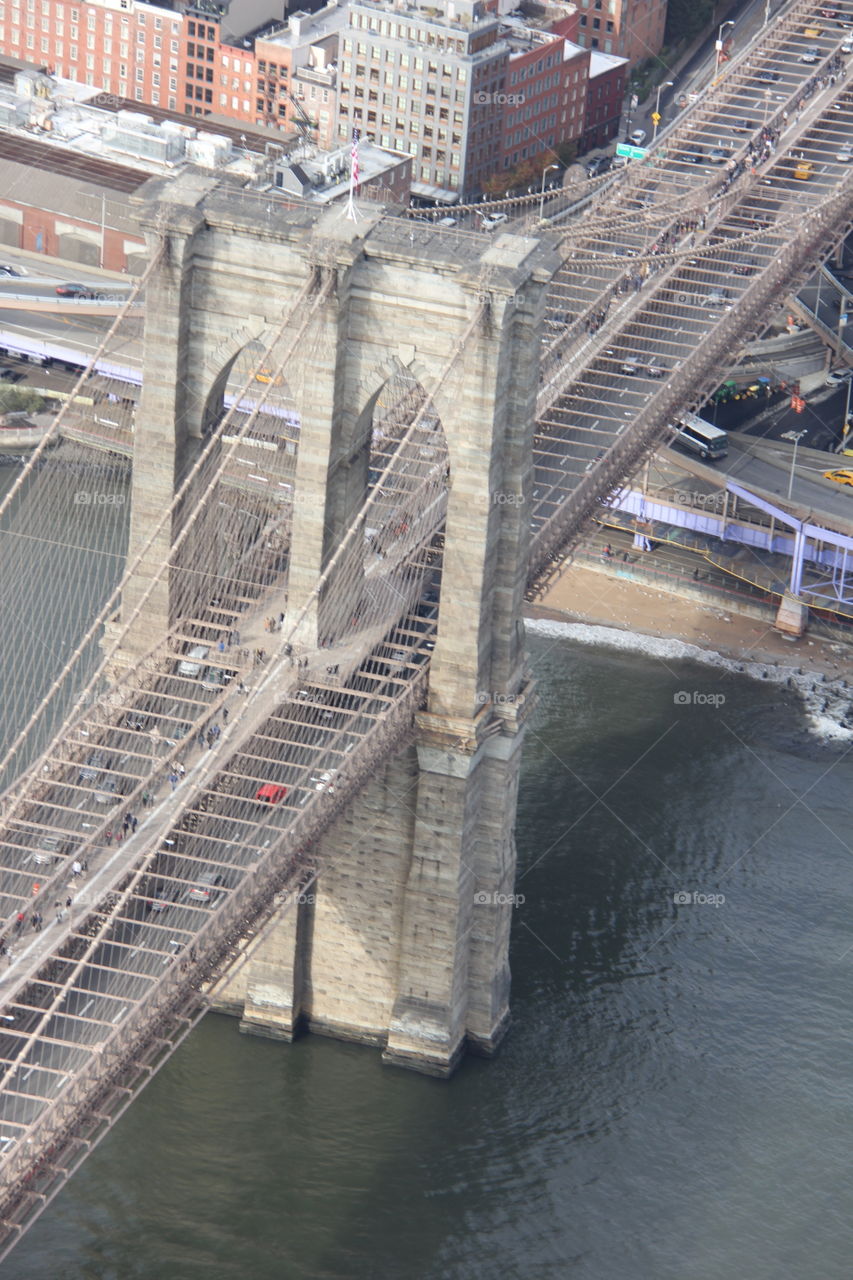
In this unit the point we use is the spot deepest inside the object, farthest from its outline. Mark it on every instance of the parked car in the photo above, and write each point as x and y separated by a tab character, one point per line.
493	220
74	291
599	165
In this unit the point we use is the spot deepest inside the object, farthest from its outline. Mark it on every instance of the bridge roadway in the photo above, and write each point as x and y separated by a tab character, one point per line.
677	270
97	1000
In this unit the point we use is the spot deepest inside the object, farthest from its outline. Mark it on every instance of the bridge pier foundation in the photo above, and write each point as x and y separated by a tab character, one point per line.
792	616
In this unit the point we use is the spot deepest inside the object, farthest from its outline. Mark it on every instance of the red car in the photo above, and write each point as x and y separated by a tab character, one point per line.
74	291
270	793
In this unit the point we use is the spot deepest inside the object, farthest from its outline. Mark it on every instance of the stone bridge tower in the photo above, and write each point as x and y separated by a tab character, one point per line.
403	941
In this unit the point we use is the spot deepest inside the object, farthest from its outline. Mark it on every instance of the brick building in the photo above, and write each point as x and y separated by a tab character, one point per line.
608	78
631	29
546	84
299	61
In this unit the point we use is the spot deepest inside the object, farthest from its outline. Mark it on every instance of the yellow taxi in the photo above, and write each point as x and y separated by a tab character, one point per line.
803	171
841	476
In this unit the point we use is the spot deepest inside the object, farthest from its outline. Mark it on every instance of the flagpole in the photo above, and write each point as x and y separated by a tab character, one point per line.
352	212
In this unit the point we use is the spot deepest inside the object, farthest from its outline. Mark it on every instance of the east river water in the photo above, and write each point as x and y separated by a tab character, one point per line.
674	1100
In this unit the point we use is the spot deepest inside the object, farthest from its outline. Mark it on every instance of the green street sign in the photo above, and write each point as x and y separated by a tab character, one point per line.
631	153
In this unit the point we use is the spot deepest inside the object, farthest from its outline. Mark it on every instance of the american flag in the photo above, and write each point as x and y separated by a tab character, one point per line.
354	157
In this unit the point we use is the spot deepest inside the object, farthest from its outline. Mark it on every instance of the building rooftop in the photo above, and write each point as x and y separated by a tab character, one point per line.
323	176
307	28
601	62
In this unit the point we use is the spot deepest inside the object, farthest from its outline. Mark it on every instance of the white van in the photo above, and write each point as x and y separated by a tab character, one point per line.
194	661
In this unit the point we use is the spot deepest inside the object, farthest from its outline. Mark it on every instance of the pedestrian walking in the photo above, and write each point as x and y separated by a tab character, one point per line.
108	837
58	908
76	868
68	901
33	921
173	779
125	826
224	715
281	620
181	772
221	645
85	866
10	953
235	637
134	822
200	739
39	921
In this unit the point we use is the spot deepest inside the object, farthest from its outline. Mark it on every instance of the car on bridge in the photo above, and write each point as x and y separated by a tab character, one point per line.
95	764
841	475
203	891
270	793
74	291
109	792
7	270
845	155
811	54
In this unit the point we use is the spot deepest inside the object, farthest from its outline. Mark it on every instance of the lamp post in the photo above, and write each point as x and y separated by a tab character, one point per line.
796	436
719	45
656	118
547	168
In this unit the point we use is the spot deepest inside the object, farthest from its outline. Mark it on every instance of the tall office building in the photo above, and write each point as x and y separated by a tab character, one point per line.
427	80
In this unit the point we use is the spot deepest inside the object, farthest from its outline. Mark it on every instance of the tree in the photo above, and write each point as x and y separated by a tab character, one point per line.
20	400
